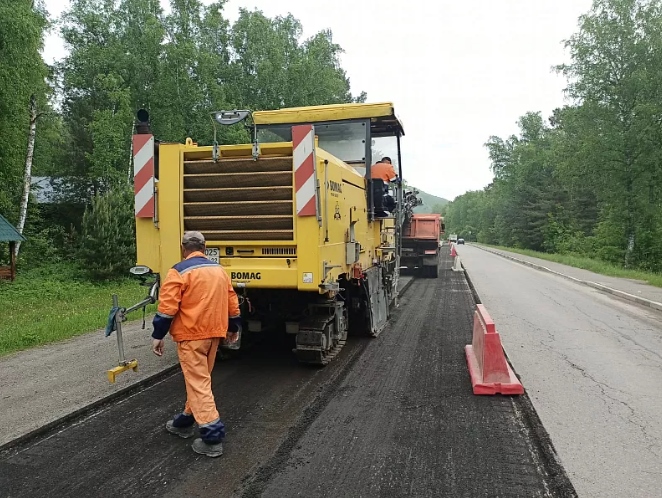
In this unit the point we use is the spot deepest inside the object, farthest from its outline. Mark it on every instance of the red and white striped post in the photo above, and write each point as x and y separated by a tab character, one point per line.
303	145
143	175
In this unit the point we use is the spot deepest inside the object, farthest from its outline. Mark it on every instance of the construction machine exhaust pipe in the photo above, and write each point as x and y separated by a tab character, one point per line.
142	122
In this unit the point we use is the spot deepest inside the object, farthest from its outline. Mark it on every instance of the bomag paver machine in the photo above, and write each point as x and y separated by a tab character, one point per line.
293	217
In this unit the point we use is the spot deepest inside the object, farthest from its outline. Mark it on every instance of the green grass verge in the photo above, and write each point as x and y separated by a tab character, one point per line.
594	265
53	303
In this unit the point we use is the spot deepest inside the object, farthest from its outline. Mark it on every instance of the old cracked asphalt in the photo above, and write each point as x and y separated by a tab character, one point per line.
592	365
392	416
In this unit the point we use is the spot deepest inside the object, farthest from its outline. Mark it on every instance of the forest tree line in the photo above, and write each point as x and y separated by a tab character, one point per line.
588	179
123	55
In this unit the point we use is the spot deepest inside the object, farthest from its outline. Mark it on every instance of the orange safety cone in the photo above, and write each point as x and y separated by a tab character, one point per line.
490	372
453	251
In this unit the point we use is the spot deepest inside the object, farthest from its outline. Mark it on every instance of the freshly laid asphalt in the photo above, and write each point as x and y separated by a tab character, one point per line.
391	416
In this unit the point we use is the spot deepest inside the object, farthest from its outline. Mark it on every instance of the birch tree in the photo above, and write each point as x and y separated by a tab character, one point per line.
27	173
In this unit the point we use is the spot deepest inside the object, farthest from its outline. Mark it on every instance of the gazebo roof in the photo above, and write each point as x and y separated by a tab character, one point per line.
8	233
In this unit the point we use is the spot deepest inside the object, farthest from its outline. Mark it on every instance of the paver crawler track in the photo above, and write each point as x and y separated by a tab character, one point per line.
313	357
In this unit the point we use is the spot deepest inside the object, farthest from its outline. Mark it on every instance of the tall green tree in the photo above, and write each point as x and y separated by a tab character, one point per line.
23	74
615	58
111	70
590	181
272	68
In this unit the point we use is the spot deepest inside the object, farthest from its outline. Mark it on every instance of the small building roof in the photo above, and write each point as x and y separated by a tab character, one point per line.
8	233
42	188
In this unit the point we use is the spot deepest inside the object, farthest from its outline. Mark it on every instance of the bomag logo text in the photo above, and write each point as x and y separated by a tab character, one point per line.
335	187
245	275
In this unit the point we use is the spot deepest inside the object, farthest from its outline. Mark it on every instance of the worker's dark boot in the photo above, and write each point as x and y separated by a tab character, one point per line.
208	449
181	425
210	442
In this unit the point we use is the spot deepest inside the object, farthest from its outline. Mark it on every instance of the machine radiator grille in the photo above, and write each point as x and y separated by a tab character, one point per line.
240	199
279	251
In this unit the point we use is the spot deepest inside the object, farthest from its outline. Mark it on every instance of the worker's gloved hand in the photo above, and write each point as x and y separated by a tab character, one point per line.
234	330
157	347
234	324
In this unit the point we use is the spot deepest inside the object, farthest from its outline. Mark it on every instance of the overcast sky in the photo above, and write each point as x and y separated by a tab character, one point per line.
456	71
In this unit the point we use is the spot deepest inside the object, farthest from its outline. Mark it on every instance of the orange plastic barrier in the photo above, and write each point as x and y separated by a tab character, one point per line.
489	370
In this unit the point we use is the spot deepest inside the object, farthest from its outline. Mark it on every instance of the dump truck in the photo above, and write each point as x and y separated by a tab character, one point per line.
293	217
420	244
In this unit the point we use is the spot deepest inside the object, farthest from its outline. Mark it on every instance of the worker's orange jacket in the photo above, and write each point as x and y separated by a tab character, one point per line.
383	171
196	301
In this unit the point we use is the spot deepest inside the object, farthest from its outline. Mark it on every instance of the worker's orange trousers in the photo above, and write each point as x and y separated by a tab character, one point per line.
197	361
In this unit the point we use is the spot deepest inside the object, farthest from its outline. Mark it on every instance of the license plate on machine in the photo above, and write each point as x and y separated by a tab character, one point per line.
213	253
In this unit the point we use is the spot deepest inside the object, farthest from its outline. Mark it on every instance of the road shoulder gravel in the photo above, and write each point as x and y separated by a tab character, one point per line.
43	385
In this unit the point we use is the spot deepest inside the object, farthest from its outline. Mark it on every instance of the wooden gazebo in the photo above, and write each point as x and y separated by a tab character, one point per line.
8	234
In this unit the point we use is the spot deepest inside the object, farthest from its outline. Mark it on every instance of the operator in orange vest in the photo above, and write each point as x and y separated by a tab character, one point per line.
199	307
384	170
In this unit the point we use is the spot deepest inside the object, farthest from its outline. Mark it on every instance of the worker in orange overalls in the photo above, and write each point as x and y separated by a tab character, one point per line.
384	170
199	307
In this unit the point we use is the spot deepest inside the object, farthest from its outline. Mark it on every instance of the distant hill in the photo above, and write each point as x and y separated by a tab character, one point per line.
429	201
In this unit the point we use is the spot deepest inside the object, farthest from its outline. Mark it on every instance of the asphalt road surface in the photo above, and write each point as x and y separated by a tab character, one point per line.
391	416
592	365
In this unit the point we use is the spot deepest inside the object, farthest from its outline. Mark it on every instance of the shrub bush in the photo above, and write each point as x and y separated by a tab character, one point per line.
107	246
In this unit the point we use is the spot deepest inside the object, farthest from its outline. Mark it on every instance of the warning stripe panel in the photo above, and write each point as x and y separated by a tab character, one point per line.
145	200
143	175
303	142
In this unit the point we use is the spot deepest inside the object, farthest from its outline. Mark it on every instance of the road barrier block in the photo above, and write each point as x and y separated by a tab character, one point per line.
457	264
490	372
